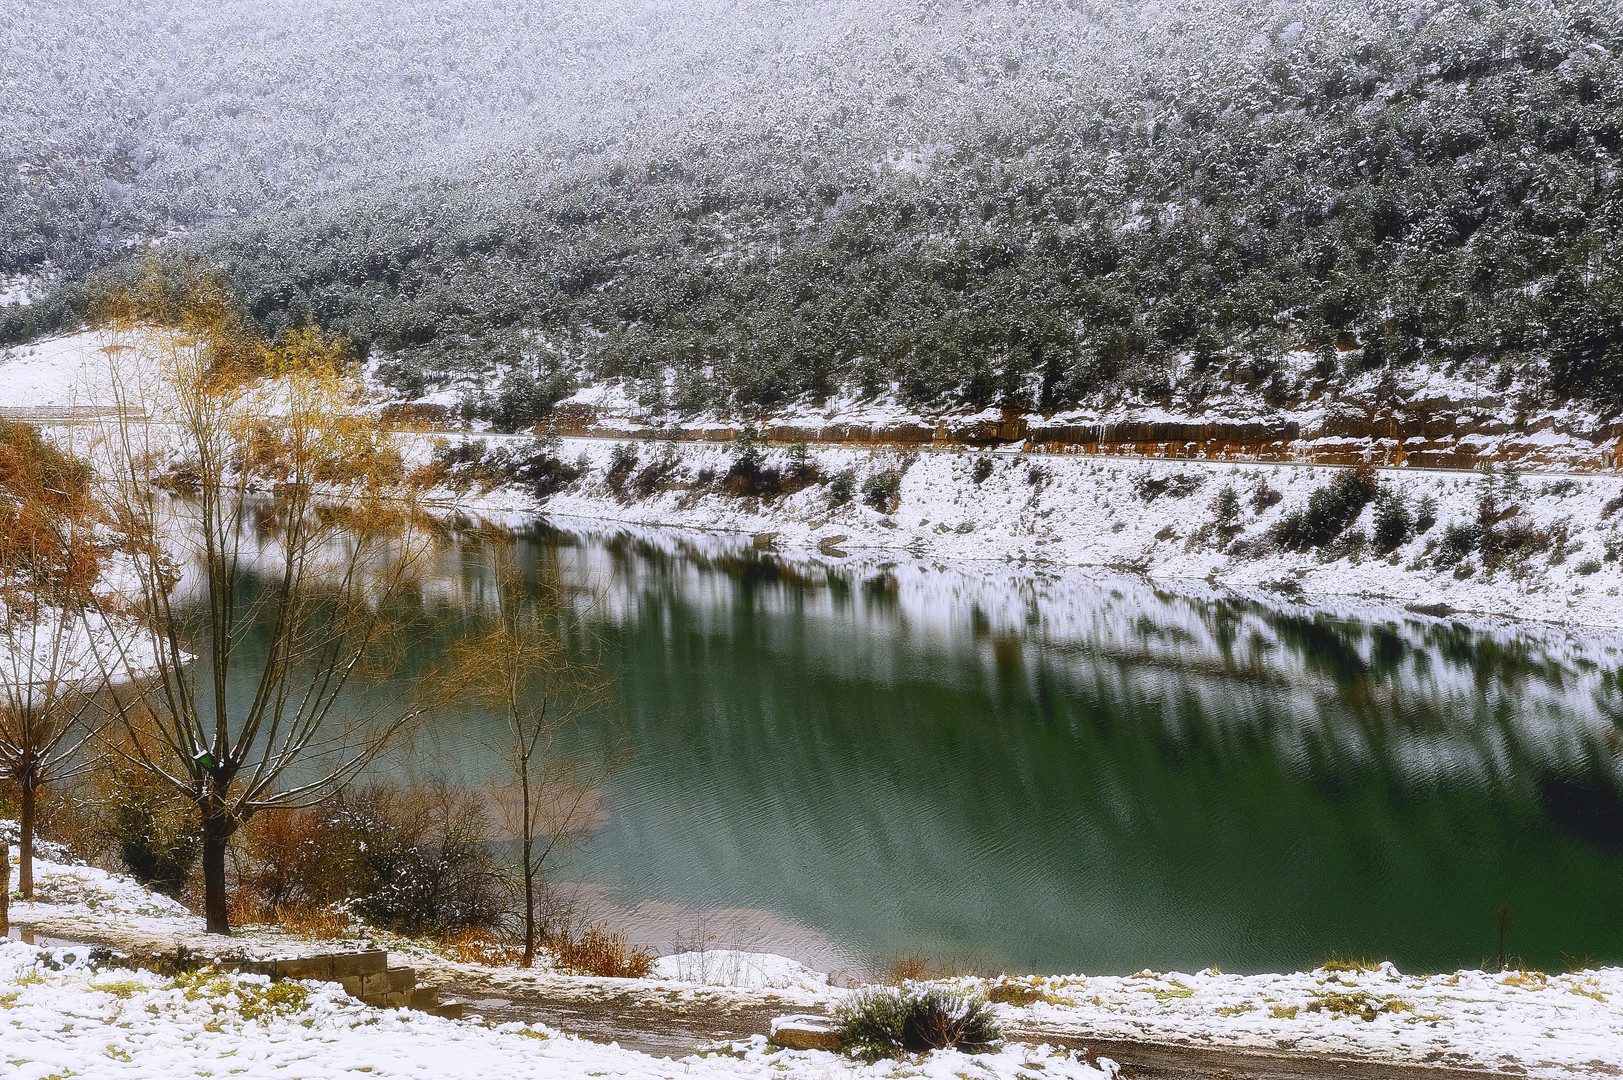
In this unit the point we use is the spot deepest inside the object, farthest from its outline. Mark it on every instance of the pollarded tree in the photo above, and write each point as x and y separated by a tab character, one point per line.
273	546
48	675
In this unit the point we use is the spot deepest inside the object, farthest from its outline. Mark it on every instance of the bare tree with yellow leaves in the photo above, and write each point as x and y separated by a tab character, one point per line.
272	546
531	666
48	677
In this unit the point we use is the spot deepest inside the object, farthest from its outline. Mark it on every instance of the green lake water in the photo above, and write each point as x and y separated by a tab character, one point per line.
1010	768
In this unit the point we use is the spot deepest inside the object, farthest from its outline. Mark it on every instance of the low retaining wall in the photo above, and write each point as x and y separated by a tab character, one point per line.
1434	441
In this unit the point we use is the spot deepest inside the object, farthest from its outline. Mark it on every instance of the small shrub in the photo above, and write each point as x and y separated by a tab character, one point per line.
1176	486
879	1022
316	923
1329	510
1512	540
749	476
801	466
656	473
1425	514
1559	488
1007	993
909	968
1356	1003
747	449
1338	962
598	951
533	464
479	946
1226	513
842	488
157	837
414	861
981	470
1613	505
1588	566
1394	523
1263	496
622	460
1459	540
881	490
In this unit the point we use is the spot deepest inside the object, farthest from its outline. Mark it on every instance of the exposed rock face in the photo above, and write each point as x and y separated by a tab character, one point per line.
805	1032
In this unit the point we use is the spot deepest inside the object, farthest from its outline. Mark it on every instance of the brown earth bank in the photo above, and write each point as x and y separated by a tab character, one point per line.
678	1020
1441	438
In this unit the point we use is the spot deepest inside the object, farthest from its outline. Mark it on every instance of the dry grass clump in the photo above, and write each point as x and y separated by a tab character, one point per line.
1337	962
909	968
1357	1004
316	923
479	946
596	950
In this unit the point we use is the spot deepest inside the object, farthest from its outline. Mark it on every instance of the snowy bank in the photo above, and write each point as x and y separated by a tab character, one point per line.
1152	517
62	1014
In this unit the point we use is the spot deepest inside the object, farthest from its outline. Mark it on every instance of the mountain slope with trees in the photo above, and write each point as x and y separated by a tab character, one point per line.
1030	205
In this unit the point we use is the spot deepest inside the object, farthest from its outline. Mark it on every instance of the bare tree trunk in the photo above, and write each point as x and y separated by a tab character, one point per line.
529	869
25	842
216	832
5	887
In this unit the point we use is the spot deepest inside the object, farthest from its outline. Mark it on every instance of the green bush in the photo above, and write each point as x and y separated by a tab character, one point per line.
1177	486
1226	508
1329	510
881	490
883	1021
1425	514
1394	522
621	461
1459	540
158	842
842	487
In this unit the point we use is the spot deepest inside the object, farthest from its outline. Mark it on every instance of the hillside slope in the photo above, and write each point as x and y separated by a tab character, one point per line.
1035	205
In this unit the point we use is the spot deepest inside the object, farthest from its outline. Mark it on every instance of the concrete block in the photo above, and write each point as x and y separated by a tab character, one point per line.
402	980
366	987
805	1032
360	963
306	967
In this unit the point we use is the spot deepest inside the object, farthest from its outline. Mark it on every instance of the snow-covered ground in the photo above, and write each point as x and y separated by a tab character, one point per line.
64	1016
60	1014
57	373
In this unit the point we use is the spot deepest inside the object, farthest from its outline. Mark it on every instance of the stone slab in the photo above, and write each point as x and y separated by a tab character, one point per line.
805	1031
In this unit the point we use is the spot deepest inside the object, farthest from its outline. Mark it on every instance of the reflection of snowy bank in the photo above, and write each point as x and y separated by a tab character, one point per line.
1441	700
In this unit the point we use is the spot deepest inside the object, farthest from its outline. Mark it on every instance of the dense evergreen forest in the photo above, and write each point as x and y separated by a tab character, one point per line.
1027	203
